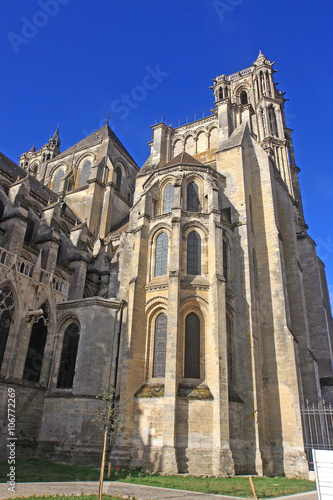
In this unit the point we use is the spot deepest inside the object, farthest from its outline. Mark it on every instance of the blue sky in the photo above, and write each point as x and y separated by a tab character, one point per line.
72	61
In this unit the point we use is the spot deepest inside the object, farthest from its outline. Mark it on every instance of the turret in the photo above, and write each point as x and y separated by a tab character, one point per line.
35	161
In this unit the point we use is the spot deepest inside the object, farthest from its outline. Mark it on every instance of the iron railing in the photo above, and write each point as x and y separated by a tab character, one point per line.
317	428
186	120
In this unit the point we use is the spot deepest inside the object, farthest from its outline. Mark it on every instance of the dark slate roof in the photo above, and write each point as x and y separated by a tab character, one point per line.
184	159
181	159
101	134
17	173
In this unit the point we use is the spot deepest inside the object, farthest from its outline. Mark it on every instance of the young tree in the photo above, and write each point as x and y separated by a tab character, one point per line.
107	419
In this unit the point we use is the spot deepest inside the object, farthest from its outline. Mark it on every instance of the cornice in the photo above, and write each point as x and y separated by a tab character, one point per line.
89	302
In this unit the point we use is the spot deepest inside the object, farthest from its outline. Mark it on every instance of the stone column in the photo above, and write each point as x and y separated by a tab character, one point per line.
217	375
171	372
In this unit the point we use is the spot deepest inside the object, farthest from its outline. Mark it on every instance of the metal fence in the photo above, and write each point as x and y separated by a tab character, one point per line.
186	120
317	428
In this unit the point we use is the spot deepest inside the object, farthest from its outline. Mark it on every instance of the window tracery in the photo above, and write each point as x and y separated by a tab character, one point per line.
160	345
161	255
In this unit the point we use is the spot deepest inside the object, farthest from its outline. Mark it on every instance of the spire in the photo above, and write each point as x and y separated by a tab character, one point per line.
107	118
56	134
55	140
32	150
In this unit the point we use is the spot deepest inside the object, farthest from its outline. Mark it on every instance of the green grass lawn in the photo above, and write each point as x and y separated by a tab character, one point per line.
35	470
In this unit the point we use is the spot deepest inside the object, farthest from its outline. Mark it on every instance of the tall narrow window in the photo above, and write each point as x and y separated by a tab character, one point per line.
268	84
2	209
272	121
168	198
192	197
262	83
220	93
6	312
160	345
35	354
29	231
192	346
118	178
68	357
225	259
84	174
161	255
243	98
193	253
229	350
57	180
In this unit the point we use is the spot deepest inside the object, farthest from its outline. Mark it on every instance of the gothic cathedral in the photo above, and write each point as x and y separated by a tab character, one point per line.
191	285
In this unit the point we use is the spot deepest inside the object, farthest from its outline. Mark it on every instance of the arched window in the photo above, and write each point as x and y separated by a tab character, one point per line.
229	351
29	231
57	180
243	97
220	93
225	259
193	253
68	357
192	346
262	83
161	255
2	209
168	198
268	84
272	121
118	178
84	174
193	197
6	311
160	345
226	92
35	354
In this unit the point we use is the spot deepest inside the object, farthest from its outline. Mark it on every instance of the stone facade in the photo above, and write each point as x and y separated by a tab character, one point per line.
191	285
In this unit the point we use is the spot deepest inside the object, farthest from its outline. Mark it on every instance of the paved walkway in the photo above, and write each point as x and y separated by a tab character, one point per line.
140	492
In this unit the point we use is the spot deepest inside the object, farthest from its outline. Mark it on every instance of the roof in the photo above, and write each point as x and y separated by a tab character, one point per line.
101	134
181	159
184	159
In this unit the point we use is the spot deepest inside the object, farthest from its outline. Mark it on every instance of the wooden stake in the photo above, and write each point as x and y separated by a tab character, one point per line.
109	469
100	485
253	490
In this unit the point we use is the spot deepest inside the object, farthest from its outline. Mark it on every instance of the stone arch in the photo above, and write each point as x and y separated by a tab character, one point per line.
189	144
57	177
213	138
152	242
33	169
157	308
242	87
4	187
202	141
178	147
198	179
189	307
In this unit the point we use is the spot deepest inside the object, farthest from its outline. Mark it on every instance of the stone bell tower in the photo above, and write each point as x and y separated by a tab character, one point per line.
35	161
